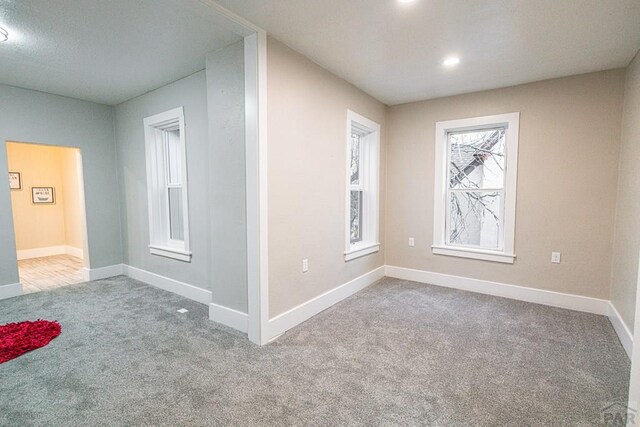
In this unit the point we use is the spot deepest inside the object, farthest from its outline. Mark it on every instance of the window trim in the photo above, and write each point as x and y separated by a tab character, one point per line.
159	242
370	182
440	247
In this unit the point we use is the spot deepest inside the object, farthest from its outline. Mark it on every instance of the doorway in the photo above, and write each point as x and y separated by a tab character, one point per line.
47	199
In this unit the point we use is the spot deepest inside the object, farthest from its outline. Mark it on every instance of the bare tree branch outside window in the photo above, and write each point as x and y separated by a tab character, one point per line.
476	185
355	218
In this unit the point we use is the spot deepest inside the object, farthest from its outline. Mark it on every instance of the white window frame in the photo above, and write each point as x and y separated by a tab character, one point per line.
511	122
369	185
160	242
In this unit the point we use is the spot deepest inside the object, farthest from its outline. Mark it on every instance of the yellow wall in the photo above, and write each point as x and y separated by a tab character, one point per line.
73	197
42	226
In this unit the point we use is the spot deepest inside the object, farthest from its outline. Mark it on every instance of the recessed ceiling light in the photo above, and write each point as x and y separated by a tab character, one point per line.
4	35
406	1
451	61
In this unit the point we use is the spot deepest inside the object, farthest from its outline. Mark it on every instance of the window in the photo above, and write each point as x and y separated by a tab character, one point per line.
167	185
475	187
363	142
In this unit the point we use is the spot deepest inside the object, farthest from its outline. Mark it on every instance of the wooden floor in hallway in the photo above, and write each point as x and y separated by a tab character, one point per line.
41	274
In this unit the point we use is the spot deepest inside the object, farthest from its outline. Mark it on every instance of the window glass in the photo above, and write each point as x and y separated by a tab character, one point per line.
476	159
173	156
355	159
356	216
176	220
475	218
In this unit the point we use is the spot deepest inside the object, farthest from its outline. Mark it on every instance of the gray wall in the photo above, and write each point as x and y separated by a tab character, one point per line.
227	210
216	178
190	93
30	116
626	243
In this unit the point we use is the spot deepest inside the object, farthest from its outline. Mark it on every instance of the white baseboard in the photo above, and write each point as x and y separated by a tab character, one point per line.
624	334
41	252
289	319
183	289
73	251
538	296
180	288
229	317
10	291
49	251
103	272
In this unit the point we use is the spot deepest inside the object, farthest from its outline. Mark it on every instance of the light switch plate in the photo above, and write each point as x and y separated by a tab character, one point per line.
305	265
412	242
555	257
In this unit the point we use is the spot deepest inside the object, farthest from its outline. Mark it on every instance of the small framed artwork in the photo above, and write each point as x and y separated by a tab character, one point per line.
15	181
43	195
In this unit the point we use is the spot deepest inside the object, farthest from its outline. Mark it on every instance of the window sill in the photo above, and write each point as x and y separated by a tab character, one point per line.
485	255
361	250
170	253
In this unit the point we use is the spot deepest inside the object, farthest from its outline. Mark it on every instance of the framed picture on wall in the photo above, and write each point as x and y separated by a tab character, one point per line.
43	195
15	181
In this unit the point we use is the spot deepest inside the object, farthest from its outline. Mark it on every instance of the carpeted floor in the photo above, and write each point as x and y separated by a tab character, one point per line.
397	353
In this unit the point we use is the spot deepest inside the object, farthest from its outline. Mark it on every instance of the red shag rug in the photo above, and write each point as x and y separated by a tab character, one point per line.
18	338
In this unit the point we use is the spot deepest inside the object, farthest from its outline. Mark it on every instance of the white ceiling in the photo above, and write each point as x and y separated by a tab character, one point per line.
106	51
394	51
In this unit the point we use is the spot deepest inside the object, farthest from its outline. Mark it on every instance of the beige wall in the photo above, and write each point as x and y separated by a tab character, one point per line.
307	110
567	174
624	272
70	166
41	226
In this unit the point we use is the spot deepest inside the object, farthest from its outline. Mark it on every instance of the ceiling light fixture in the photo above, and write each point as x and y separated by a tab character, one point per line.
452	61
406	1
4	35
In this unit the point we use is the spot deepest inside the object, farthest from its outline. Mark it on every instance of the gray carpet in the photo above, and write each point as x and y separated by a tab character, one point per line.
397	353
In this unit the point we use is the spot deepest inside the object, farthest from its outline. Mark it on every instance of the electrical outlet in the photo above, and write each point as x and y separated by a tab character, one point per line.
555	257
305	265
412	242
